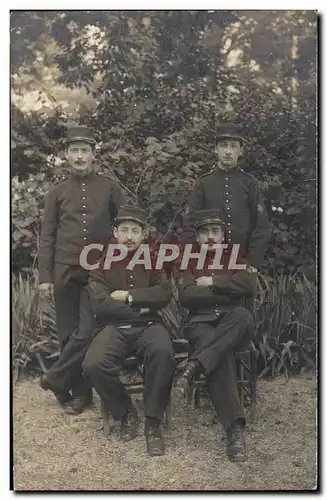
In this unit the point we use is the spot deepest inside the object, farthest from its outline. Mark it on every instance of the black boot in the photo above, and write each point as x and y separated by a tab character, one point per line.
62	397
129	424
236	449
82	398
154	440
183	384
75	406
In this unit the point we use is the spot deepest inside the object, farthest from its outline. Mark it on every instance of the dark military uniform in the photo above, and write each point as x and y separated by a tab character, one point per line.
217	324
124	329
237	195
78	211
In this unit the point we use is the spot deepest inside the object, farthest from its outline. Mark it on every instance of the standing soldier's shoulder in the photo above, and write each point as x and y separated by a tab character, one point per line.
58	182
206	175
251	178
107	177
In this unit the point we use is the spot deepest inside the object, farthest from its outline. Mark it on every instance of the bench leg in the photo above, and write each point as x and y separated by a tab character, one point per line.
197	396
253	386
106	420
168	416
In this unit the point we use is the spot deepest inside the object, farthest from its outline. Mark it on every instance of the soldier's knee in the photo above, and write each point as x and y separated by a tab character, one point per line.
91	364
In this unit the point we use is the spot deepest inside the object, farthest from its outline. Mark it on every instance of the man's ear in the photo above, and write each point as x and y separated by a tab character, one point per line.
146	232
115	232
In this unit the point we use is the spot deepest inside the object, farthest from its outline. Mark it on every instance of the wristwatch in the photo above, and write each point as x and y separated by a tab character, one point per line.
129	299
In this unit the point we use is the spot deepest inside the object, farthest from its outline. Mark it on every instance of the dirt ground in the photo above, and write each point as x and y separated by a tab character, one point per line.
54	451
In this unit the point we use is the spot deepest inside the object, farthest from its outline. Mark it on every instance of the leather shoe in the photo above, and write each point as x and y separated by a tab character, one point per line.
236	448
62	397
154	440
75	406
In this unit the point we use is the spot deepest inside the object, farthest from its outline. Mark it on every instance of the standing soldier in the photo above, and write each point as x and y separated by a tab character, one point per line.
237	195
74	207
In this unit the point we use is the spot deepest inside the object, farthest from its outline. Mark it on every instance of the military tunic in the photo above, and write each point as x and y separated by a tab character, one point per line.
124	330
78	211
237	195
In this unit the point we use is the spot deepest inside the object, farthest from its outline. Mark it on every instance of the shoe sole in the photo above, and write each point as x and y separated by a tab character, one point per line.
70	411
156	453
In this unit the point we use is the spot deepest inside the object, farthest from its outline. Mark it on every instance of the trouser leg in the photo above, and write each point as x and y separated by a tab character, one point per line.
66	373
102	365
212	346
213	350
223	392
67	302
155	345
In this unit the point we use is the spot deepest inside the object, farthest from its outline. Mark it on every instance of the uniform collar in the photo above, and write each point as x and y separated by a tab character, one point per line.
219	171
88	177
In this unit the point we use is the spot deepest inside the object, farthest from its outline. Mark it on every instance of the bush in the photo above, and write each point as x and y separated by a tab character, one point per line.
285	315
34	340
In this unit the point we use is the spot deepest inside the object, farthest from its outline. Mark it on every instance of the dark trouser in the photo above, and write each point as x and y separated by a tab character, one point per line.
212	345
104	359
75	327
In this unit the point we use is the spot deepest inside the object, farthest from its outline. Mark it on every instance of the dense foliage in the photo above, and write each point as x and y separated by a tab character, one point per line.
154	85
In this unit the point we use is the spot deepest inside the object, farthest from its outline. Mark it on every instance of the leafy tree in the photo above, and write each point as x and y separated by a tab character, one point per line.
154	86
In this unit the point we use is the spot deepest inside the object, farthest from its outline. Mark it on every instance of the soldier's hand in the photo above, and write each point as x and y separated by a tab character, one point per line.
119	295
204	281
46	288
144	310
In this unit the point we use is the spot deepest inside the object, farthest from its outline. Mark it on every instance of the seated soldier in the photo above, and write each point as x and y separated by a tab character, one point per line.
126	304
216	323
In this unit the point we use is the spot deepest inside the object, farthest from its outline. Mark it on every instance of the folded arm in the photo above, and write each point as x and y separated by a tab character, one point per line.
157	296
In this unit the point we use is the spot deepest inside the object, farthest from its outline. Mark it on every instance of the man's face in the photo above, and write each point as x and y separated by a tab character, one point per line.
130	233
228	152
210	234
80	156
